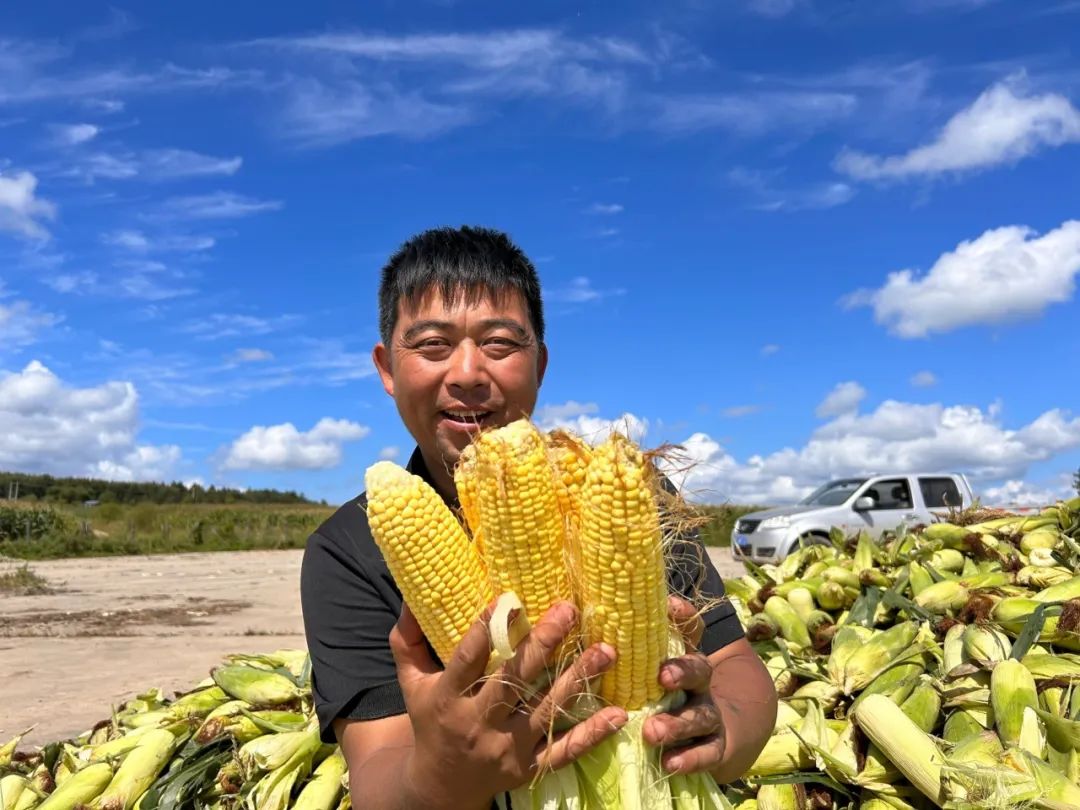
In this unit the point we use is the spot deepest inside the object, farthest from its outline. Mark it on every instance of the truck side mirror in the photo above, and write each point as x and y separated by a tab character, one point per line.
864	504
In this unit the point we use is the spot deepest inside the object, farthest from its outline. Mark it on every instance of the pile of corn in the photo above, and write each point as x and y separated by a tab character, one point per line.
246	737
937	668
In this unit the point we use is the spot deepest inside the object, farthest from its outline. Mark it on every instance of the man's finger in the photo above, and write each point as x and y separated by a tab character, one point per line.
691	673
409	647
687	619
466	666
502	692
702	756
580	739
572	683
684	724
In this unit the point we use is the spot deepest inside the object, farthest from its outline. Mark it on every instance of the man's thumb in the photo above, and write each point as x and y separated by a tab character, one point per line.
409	646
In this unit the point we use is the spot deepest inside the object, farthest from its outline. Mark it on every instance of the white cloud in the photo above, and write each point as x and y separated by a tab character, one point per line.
389	453
219	325
151	165
74	134
752	112
50	427
140	279
283	447
604	208
21	209
579	418
844	398
1004	275
769	348
138	242
20	323
556	413
898	436
1022	493
216	205
580	291
251	356
923	379
1002	126
771	197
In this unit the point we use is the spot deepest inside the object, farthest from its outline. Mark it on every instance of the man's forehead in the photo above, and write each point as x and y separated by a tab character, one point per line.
463	304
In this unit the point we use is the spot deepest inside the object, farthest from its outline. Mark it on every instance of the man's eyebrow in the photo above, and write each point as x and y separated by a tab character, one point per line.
423	326
420	327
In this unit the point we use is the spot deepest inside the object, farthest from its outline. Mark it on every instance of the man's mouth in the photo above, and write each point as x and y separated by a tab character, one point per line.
466	417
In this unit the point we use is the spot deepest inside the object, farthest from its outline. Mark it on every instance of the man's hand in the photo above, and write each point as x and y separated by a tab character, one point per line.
693	734
719	729
474	737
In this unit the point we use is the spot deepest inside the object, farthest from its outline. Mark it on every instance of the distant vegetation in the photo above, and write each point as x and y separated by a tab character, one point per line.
47	488
138	518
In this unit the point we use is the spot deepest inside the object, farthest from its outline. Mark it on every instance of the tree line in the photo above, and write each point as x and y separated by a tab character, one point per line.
64	490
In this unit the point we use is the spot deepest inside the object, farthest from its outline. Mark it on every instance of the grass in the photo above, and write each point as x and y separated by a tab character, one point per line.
23	581
58	531
113	529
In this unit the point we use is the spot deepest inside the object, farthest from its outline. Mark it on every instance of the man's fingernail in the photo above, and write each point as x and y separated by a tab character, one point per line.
675	762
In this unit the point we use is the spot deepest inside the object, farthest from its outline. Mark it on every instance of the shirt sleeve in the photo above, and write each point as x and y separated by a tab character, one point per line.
347	620
691	574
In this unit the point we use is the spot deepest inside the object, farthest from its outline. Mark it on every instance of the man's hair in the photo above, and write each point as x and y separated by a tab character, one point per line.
466	261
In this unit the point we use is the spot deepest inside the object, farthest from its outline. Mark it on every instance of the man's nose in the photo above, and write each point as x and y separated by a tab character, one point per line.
467	366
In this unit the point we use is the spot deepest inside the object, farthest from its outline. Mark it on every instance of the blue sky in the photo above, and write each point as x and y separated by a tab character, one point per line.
802	239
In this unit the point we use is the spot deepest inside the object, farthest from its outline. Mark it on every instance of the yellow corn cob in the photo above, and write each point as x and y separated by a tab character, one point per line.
429	555
523	533
465	483
622	574
570	457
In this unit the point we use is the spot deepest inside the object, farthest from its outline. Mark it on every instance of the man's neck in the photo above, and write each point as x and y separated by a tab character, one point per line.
441	478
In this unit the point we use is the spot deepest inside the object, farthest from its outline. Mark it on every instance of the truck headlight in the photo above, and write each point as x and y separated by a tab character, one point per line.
778	522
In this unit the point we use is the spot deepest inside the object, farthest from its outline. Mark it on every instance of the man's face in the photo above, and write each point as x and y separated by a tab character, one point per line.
455	370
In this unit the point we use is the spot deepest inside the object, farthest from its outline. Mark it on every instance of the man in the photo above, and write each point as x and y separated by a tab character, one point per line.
462	348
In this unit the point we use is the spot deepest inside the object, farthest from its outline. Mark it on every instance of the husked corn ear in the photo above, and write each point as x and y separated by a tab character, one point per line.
465	484
431	558
621	572
523	531
570	457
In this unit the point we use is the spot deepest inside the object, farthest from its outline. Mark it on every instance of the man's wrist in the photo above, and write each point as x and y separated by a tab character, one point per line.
427	789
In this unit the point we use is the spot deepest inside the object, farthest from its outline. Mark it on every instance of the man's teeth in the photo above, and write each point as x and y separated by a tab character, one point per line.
467	416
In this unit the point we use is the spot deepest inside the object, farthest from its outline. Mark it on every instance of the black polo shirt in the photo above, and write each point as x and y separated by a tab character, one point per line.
350	604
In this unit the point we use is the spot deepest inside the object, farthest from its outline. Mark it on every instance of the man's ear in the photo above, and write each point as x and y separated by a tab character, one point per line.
541	364
380	356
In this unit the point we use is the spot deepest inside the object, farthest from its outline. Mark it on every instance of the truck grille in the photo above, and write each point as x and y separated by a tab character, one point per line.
746	526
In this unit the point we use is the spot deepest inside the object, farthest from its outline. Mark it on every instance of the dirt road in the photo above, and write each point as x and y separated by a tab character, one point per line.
114	627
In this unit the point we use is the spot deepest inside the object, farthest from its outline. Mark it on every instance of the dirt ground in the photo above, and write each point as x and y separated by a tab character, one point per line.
113	627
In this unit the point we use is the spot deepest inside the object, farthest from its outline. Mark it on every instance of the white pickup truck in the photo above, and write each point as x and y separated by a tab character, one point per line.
874	504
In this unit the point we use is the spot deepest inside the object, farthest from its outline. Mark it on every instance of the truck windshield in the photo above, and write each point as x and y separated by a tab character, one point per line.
833	493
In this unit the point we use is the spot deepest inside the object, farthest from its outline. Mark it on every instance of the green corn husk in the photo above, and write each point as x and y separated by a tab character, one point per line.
961	725
1012	690
919	578
781	797
138	771
832	596
943	597
11	787
948	559
762	627
913	752
985	644
848	639
1053	667
1054	787
896	683
883	649
256	685
803	603
1062	592
791	626
946	533
324	788
786	716
923	705
271	751
953	648
783	753
1040	539
80	788
825	693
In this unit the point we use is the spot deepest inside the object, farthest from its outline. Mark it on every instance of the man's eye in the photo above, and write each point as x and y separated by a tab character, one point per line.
432	343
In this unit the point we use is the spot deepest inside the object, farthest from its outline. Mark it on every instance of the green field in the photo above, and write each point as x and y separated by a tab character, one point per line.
40	532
